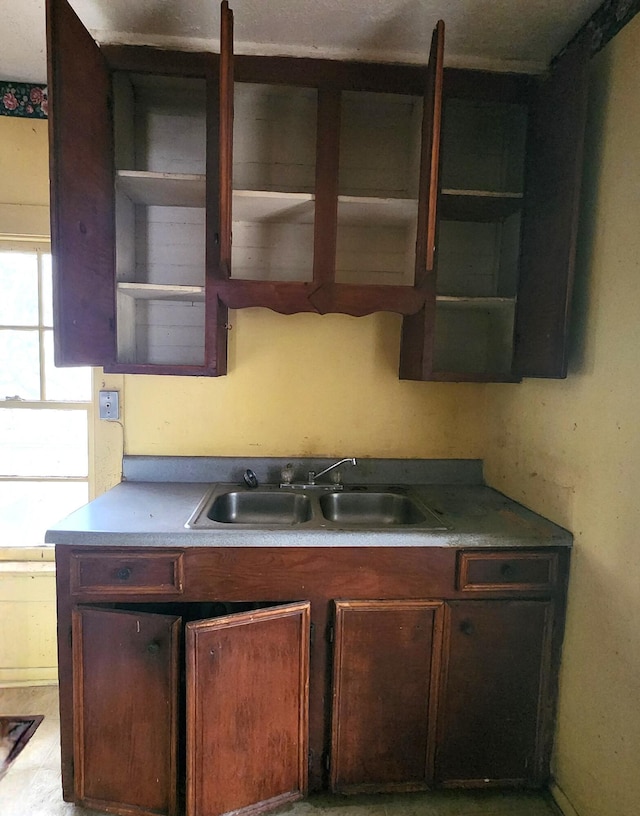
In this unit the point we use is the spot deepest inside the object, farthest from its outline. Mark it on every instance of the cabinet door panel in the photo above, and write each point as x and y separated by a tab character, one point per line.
383	697
82	197
495	677
550	224
125	681
416	344
247	710
218	194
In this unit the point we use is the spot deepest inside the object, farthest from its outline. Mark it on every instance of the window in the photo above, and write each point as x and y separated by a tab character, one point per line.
44	410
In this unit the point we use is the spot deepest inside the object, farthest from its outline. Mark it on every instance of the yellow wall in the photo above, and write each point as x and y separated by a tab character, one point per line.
24	171
571	451
305	385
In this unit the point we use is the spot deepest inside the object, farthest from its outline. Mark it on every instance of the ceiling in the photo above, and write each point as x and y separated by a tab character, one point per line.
519	35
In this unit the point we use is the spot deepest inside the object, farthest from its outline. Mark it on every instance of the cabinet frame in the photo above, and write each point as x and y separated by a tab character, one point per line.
83	237
321	574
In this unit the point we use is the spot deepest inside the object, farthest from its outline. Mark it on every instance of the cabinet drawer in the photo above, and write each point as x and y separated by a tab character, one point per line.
137	573
483	571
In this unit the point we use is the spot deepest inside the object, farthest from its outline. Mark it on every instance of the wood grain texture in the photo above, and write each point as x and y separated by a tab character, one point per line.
135	572
126	710
381	735
416	339
551	207
82	192
321	575
247	710
495	676
512	571
327	162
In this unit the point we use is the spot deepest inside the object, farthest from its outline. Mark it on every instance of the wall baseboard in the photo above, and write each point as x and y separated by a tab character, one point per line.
41	676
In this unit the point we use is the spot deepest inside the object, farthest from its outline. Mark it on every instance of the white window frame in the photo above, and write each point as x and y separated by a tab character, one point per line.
27	552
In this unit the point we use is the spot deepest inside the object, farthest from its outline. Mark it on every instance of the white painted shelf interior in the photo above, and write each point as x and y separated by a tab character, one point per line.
480	206
160	151
379	168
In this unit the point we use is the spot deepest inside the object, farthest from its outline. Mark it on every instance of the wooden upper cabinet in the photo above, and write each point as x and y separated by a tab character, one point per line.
185	184
334	188
126	710
247	710
511	156
82	195
133	275
550	225
386	661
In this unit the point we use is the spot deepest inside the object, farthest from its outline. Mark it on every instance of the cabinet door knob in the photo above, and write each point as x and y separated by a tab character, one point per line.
153	647
466	627
124	573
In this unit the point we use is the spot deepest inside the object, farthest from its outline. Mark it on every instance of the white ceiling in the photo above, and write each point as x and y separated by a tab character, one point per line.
519	35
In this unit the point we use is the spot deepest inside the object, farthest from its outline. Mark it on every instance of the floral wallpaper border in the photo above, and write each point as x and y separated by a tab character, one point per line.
608	20
23	99
603	25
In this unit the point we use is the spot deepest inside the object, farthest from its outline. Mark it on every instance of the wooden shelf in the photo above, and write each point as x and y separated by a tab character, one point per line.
162	189
475	302
478	205
276	207
160	291
372	212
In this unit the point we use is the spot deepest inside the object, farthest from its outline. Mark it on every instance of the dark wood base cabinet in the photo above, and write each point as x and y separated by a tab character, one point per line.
208	681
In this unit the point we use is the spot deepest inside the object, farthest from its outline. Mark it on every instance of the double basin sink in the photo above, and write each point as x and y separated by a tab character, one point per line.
364	507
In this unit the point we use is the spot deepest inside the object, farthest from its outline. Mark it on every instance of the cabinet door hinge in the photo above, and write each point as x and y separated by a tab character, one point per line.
70	636
312	634
330	633
326	760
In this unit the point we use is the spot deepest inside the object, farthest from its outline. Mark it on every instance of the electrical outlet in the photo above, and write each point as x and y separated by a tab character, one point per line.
109	404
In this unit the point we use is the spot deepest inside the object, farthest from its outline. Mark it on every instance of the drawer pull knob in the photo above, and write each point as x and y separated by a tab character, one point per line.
124	573
506	570
466	627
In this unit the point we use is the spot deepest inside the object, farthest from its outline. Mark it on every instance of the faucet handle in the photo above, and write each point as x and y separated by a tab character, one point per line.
286	474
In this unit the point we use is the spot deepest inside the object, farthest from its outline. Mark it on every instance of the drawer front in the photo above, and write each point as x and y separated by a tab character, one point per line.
485	571
136	573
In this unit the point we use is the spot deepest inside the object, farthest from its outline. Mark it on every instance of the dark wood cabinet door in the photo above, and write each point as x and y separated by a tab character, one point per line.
82	196
125	688
218	194
416	343
383	716
550	223
494	692
247	710
430	158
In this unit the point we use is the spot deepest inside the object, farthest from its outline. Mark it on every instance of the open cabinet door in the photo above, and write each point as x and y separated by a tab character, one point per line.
247	710
82	192
416	345
219	193
125	703
550	223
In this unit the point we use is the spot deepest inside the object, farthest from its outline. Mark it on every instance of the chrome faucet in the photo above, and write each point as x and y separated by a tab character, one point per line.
313	475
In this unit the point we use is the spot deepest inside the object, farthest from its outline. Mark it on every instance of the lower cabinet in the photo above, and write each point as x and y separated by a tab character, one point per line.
494	682
178	705
384	694
246	677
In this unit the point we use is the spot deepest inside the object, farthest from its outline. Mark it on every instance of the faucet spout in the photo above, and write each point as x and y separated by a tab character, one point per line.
313	476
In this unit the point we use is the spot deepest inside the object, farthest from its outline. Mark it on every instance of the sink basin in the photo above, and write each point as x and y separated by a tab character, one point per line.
370	509
260	507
